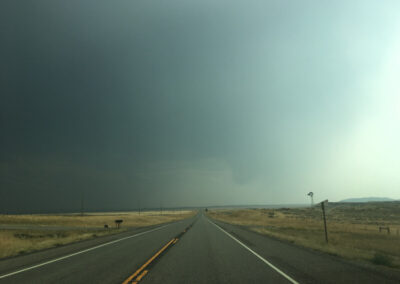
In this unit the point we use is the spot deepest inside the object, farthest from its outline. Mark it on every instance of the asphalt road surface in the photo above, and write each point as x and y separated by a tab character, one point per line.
196	250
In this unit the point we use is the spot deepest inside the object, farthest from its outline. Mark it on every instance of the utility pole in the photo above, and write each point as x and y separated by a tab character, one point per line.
82	203
139	204
324	217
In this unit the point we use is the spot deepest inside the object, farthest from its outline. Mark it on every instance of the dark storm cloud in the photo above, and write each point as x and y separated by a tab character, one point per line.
106	87
173	102
87	77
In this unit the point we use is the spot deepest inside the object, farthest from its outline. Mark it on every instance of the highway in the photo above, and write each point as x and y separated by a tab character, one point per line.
195	250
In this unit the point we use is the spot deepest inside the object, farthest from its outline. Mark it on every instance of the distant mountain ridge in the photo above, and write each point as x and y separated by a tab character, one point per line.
368	199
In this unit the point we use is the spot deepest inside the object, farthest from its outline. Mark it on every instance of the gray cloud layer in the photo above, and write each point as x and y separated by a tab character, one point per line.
190	103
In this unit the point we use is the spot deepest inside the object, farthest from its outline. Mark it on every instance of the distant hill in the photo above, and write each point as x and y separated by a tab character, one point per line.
367	199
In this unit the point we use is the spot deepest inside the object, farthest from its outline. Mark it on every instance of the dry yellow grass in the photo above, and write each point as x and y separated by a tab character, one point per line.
351	234
37	232
95	220
14	242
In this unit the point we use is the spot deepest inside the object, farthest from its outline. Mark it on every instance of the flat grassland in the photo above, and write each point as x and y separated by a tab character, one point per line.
353	228
21	234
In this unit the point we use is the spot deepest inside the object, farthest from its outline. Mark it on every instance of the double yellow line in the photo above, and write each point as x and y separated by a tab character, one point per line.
141	272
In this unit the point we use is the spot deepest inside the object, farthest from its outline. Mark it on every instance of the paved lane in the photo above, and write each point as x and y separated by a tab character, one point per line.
196	250
110	263
208	254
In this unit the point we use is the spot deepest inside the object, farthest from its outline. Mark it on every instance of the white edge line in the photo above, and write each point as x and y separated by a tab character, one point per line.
79	252
256	254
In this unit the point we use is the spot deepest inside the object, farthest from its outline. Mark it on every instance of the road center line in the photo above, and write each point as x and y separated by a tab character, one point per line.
257	255
80	252
129	279
141	276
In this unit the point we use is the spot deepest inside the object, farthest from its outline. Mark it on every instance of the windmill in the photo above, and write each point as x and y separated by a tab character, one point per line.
311	194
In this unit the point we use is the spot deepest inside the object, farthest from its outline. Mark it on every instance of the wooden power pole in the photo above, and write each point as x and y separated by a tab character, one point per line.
324	217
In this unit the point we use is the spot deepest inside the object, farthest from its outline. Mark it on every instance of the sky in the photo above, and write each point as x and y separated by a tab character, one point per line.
152	103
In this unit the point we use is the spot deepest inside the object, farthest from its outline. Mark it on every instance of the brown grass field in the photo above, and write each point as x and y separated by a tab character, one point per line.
353	229
21	234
